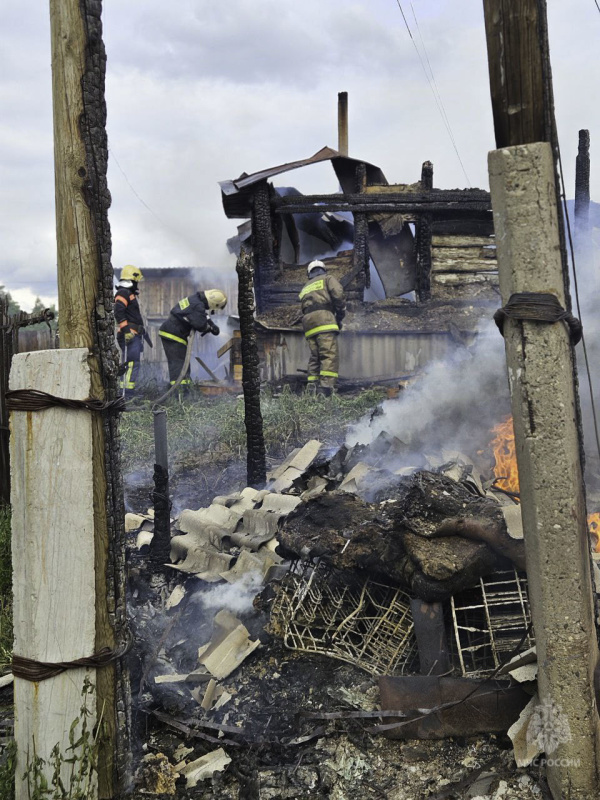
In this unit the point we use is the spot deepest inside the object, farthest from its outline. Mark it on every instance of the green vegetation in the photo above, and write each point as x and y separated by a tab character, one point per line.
6	630
7	771
81	756
200	425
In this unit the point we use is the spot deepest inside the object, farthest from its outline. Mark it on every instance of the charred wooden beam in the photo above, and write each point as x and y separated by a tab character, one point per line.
439	199
256	458
360	256
265	264
423	246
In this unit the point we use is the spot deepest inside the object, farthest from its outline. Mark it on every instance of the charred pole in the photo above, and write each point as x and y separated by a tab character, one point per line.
361	258
582	194
160	547
263	250
256	458
543	384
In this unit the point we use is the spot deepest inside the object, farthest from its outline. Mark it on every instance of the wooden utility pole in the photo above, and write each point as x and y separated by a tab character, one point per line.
543	384
83	552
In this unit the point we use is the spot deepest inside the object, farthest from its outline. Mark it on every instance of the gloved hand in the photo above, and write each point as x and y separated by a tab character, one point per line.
214	329
129	337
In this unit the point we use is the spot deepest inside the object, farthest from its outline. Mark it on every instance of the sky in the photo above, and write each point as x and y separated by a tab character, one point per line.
199	92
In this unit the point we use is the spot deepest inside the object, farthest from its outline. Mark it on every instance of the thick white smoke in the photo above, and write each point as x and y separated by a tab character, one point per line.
453	405
235	597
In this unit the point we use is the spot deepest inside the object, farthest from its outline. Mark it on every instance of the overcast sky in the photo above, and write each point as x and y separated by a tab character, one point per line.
201	91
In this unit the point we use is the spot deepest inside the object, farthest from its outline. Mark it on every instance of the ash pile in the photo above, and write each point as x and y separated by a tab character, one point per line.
303	636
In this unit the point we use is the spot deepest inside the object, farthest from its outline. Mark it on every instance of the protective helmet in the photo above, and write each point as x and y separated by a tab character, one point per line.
131	273
216	299
314	265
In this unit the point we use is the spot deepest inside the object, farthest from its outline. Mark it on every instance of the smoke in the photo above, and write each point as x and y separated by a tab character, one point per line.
453	405
235	597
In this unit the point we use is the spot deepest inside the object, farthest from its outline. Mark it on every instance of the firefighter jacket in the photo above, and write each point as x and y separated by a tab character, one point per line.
323	304
189	314
127	312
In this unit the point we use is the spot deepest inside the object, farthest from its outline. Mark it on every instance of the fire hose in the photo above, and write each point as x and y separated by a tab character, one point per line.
184	369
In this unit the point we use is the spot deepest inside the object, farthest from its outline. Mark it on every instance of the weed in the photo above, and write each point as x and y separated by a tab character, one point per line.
81	756
7	772
203	428
6	628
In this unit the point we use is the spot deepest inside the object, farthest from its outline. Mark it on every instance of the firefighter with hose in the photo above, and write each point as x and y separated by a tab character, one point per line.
130	326
190	314
323	309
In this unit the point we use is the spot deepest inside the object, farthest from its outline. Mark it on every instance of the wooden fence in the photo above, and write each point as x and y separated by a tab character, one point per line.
15	338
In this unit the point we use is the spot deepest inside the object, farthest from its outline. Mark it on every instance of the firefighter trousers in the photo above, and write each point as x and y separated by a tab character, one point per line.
175	353
324	361
131	354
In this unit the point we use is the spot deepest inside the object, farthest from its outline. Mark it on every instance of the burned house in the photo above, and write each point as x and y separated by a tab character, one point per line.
417	263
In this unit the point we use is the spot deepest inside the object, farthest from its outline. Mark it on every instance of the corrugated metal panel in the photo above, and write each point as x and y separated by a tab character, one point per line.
361	355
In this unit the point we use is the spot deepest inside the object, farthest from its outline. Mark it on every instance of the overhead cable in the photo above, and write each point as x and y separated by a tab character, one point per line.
576	286
434	89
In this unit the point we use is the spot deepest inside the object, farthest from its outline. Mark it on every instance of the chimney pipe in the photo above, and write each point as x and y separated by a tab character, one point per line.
343	123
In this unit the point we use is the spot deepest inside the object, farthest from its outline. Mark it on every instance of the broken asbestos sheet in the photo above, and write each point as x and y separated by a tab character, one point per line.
228	647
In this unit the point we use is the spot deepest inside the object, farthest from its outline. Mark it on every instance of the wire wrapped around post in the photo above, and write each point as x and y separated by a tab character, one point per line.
256	458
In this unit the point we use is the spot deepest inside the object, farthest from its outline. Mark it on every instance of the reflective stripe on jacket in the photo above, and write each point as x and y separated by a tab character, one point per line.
189	314
323	305
127	311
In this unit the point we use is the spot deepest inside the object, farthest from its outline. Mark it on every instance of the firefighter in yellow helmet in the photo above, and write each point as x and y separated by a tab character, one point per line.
190	314
130	325
323	309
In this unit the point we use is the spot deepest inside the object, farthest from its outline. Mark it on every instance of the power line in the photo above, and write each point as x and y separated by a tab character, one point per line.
142	201
597	6
576	286
434	89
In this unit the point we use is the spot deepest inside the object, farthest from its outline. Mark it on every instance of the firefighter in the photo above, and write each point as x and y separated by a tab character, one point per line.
323	309
190	314
130	326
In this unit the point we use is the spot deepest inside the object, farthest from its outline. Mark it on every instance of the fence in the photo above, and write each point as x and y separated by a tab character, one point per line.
13	339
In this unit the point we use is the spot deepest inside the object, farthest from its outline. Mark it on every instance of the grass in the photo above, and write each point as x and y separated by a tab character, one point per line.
6	629
201	426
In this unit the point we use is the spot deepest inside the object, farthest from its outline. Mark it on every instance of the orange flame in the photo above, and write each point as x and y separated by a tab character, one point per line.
507	473
594	527
503	447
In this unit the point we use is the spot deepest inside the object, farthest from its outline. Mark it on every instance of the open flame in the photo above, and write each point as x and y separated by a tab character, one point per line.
503	446
594	527
507	474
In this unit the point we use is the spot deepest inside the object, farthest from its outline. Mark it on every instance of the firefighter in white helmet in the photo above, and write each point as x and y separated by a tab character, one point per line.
130	325
323	309
190	314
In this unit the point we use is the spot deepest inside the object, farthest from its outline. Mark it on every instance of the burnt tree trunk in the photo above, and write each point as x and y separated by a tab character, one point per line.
256	459
85	282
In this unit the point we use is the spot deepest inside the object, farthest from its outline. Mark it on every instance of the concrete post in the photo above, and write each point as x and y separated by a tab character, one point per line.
540	372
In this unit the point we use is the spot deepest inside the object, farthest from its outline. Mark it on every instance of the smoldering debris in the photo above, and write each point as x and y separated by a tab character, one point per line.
240	658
